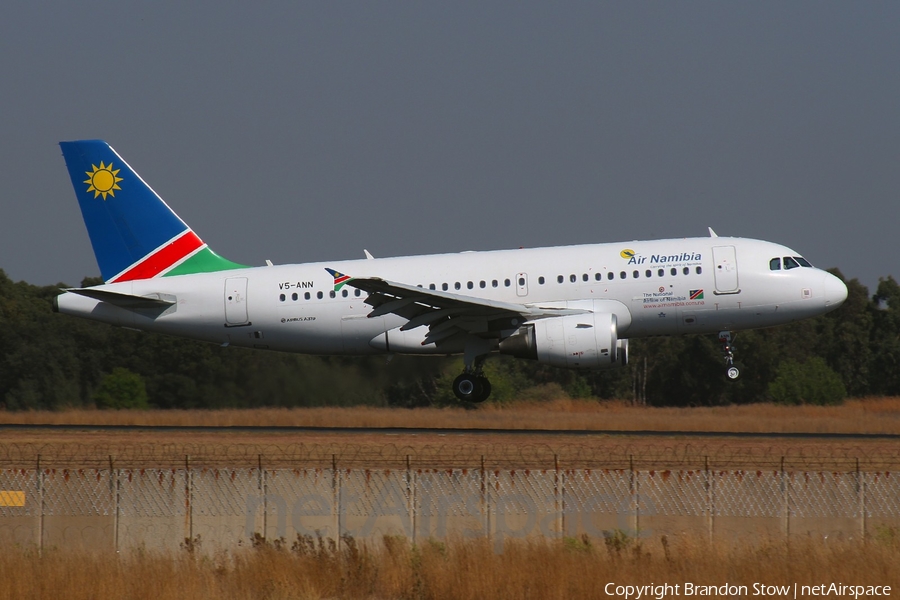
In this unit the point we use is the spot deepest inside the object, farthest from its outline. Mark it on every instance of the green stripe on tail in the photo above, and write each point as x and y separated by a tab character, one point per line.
205	261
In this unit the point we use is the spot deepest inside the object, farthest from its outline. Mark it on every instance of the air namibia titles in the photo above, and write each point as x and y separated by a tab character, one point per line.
665	259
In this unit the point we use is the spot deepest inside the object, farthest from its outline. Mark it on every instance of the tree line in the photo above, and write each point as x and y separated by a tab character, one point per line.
53	361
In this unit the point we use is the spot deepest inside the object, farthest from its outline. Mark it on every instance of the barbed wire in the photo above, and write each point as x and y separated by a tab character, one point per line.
596	455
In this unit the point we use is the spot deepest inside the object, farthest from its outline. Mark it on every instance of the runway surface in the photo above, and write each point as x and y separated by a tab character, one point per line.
441	431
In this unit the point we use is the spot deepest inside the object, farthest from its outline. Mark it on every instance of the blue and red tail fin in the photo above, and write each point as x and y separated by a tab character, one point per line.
135	235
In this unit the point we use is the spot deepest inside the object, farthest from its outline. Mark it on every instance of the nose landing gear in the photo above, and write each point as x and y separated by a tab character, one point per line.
732	369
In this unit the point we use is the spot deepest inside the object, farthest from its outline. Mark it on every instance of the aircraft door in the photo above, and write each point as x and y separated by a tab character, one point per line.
521	284
236	301
726	269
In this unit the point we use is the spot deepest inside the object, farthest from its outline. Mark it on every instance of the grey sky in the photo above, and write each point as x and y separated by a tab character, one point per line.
309	131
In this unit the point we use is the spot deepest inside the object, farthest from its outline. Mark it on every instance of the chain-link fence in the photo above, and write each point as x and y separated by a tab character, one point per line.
121	504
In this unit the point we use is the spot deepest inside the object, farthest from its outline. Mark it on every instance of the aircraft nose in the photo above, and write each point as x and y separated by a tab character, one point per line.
835	291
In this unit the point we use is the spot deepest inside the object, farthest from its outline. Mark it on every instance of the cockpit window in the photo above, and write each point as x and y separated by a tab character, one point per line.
803	262
790	263
775	264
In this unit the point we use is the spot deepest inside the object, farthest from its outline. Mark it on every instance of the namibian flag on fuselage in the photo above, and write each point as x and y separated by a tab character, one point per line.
134	233
339	278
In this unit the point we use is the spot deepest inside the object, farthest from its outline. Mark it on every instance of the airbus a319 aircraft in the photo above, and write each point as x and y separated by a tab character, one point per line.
571	306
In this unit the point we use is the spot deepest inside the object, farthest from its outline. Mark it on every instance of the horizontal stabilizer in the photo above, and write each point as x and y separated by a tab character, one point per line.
123	300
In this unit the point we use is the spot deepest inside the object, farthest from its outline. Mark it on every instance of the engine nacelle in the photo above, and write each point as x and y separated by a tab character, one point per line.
588	341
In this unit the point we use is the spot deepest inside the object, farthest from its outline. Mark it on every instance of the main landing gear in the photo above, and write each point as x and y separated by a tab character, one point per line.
732	369
472	385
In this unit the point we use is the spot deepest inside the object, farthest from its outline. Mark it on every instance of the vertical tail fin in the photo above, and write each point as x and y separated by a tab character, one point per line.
135	235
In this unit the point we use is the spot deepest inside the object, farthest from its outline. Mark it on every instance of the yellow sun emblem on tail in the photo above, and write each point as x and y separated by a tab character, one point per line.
103	180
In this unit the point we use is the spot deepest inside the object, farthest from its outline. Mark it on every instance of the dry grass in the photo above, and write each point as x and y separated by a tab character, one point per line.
158	448
869	415
543	569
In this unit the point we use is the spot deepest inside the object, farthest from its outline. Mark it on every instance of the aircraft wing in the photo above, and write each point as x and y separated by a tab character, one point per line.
447	314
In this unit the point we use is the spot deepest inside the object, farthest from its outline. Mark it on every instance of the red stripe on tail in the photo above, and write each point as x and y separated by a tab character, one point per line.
162	259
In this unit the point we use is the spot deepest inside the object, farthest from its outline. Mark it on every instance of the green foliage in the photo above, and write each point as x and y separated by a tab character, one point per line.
809	382
121	389
50	361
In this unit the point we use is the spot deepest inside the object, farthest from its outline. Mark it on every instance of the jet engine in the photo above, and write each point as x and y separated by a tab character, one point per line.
588	341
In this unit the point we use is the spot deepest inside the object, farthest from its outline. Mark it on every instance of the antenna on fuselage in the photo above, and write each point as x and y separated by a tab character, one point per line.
711	232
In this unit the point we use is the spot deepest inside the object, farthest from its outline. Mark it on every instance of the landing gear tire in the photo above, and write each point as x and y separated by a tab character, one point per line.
471	388
485	388
733	372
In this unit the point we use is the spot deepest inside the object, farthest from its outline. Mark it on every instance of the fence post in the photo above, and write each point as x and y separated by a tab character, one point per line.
336	499
40	485
635	494
411	497
560	500
114	489
485	501
861	490
261	483
786	501
710	499
188	504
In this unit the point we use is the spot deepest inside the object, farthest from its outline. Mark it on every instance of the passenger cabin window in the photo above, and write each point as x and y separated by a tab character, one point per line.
623	275
648	273
345	293
610	276
699	270
775	264
598	276
584	277
541	280
470	285
635	274
431	286
482	284
319	295
790	263
445	287
306	296
294	296
281	297
673	271
494	283
573	278
521	281
686	271
456	285
507	282
331	294
560	279
357	292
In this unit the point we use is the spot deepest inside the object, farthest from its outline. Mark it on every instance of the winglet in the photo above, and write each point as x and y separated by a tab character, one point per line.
711	232
339	278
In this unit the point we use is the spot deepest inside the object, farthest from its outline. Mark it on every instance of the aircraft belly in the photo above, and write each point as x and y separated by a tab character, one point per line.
358	330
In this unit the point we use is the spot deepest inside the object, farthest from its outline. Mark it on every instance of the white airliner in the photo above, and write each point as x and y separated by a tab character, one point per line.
572	306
